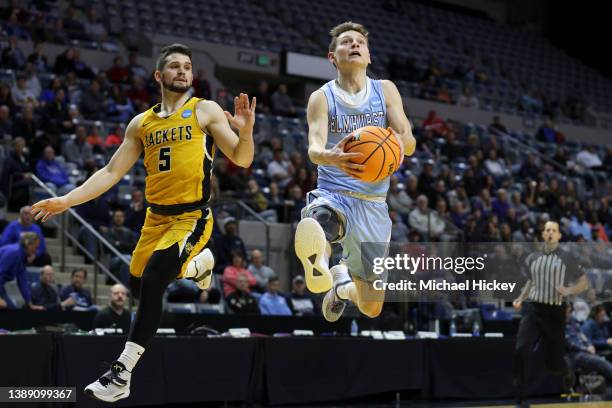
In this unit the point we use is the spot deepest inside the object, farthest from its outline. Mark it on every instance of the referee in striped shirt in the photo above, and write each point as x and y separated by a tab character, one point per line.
553	275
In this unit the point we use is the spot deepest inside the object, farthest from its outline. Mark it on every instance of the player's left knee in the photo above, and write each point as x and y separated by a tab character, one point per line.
371	309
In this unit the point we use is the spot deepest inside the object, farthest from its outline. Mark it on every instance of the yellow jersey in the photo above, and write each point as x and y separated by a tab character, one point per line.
178	158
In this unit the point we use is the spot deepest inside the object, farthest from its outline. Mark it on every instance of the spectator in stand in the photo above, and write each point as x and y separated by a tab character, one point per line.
468	99
73	22
27	126
546	132
398	199
77	150
240	301
258	201
582	352
530	168
272	302
443	95
16	176
32	81
301	302
295	203
55	113
12	56
93	102
6	123
120	108
452	150
44	293
281	102
261	272
429	88
426	221
263	97
14	29
97	213
232	271
202	85
76	290
596	329
25	223
496	126
115	315
495	166
93	27
115	137
136	69
48	95
228	183
23	96
38	59
138	92
52	173
13	266
589	158
435	123
95	140
124	241
228	244
6	97
136	212
280	169
65	62
399	230
118	73
579	227
459	215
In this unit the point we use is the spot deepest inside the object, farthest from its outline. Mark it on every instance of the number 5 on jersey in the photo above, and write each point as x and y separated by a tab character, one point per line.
164	158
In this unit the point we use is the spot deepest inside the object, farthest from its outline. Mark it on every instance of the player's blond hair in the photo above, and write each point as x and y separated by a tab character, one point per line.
341	28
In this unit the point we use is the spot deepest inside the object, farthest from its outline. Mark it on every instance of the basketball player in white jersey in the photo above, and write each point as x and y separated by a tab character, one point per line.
343	209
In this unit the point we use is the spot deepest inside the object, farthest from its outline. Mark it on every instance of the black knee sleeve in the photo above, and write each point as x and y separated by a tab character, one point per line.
163	267
328	220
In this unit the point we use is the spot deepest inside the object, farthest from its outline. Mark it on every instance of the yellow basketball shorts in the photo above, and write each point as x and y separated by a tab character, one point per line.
191	230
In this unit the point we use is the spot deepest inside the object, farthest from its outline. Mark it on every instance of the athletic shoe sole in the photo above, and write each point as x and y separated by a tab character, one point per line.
310	245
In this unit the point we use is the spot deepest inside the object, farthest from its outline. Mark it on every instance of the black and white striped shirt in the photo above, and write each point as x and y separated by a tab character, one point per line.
549	270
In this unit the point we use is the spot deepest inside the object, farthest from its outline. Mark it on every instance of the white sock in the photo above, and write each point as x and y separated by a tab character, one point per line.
130	356
341	275
344	291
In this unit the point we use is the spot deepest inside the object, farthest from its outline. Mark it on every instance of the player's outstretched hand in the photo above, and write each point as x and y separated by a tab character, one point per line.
44	209
244	113
345	161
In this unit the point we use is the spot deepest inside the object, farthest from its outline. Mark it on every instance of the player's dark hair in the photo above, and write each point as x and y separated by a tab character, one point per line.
341	28
171	49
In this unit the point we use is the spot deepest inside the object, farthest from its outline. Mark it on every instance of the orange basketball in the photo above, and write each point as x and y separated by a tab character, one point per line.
380	149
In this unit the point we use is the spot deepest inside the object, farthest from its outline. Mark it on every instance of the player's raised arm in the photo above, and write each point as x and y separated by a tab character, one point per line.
121	162
397	118
239	148
317	138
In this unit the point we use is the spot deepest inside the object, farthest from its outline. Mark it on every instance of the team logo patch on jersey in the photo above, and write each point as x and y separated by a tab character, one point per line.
188	248
187	113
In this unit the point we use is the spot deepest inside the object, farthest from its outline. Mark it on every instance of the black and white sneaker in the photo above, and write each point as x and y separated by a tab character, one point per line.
112	386
333	307
200	269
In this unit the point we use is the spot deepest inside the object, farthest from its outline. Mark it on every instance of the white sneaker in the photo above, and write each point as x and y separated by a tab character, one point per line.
333	306
200	269
311	249
112	386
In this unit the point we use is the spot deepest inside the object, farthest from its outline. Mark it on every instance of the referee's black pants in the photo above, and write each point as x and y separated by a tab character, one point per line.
542	325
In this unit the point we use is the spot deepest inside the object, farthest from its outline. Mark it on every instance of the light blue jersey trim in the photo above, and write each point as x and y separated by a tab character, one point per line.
343	120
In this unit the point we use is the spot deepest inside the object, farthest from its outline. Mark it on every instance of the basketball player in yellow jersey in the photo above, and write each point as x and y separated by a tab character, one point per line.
178	137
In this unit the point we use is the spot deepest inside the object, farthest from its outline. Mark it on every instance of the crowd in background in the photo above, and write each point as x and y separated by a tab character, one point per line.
62	119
